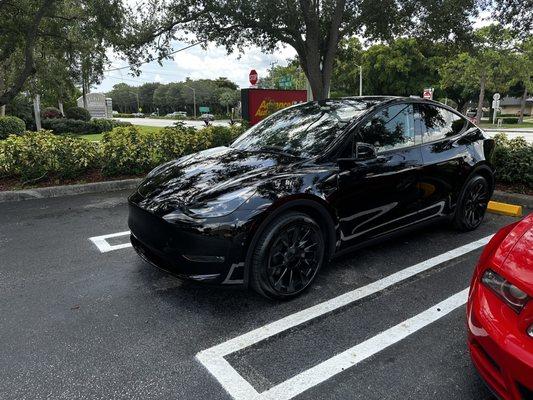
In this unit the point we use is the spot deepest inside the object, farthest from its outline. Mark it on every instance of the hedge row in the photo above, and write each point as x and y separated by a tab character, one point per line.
128	151
513	161
61	126
123	151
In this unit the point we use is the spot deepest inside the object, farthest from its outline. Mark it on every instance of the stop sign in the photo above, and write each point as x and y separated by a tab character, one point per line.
253	76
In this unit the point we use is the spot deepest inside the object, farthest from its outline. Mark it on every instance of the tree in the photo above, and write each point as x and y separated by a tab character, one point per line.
227	98
74	31
313	28
517	14
277	74
489	66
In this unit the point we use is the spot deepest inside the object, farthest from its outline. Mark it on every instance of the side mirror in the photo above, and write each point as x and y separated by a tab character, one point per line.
364	151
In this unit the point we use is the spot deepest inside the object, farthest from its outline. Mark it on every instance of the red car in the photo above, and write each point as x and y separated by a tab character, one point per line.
500	312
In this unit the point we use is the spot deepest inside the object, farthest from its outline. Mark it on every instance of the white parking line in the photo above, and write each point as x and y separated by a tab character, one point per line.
104	246
240	389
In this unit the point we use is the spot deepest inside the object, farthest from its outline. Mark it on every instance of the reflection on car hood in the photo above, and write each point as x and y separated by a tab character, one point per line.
204	175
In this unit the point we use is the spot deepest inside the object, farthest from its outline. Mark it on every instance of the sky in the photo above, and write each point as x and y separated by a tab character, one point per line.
198	63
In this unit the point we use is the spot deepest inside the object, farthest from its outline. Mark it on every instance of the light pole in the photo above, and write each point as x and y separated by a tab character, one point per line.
360	79
193	98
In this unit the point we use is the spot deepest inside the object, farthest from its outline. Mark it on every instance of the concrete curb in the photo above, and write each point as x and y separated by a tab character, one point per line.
513	198
68	190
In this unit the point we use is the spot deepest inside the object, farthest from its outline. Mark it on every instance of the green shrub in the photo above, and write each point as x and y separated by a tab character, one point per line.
510	120
22	107
10	125
78	113
65	125
51	112
513	161
126	150
36	155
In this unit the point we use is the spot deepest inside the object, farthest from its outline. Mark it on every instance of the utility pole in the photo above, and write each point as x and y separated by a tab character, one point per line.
193	98
360	79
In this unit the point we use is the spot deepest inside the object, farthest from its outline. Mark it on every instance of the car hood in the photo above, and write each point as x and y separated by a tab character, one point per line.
205	175
514	257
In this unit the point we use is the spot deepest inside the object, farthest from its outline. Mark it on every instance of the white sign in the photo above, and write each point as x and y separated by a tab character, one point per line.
496	96
496	104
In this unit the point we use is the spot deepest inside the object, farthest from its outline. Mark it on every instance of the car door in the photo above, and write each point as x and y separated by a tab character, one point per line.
381	194
444	155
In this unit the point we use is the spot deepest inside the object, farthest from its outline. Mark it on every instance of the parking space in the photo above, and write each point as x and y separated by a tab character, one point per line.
82	316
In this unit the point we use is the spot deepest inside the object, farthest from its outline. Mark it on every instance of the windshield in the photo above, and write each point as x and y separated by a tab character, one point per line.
304	130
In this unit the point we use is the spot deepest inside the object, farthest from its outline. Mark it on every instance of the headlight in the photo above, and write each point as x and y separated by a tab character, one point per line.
222	205
509	293
530	331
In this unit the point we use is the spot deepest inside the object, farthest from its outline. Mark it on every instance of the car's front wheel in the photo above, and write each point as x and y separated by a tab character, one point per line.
472	204
287	256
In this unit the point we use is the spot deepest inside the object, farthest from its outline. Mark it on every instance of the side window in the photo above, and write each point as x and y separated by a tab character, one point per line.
390	128
437	123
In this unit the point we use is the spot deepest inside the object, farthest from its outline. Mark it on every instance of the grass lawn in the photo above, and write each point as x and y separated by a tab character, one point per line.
525	124
98	136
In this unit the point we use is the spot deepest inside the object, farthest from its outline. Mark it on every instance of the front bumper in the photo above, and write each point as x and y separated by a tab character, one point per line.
210	252
500	350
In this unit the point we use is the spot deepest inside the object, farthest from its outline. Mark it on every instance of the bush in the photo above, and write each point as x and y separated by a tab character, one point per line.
513	161
51	112
10	125
128	151
67	125
22	107
36	155
64	126
510	120
78	113
124	151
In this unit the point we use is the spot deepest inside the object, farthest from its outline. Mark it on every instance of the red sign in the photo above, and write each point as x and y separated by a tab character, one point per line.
260	103
253	77
428	94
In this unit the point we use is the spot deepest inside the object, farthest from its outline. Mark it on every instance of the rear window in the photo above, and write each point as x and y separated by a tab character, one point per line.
437	123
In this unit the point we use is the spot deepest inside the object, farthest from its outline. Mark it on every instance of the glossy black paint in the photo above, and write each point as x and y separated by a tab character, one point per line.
355	200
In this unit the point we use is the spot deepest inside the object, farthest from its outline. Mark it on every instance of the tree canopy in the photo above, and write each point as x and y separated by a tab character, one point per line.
313	28
66	38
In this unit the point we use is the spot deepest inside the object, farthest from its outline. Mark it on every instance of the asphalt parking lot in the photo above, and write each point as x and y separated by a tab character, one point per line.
85	318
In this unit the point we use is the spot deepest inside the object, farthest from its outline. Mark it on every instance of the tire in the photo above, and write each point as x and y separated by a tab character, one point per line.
287	256
472	204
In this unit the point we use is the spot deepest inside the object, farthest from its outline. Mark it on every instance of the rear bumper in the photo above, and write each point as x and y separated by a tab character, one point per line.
499	350
204	252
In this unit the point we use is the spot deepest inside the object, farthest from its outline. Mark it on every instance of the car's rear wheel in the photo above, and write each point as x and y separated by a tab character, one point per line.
287	256
472	204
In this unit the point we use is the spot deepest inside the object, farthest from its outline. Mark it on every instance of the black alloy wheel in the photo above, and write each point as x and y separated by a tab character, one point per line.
287	256
472	204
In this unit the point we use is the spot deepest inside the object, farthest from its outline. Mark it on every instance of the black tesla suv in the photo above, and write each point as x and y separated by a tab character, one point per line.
307	183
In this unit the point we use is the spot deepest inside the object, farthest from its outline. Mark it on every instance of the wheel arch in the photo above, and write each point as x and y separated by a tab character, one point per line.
483	169
313	206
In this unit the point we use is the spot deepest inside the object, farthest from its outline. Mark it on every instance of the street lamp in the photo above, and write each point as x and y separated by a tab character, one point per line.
360	79
193	98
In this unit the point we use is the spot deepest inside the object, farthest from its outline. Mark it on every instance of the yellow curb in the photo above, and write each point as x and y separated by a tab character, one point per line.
504	209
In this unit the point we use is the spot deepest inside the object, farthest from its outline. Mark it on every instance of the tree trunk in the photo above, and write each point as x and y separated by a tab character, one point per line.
522	106
29	63
84	93
37	111
481	98
60	104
